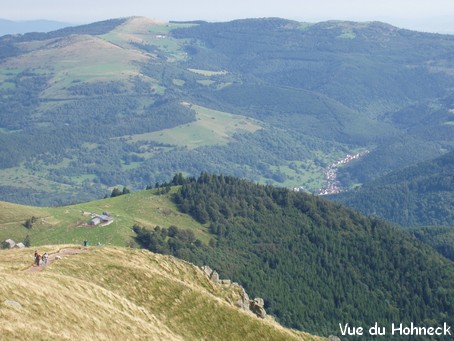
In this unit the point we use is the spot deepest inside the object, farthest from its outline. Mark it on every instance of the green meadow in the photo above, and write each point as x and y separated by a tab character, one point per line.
68	224
211	127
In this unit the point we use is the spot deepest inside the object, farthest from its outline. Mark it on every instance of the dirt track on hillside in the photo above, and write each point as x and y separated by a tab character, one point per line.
56	256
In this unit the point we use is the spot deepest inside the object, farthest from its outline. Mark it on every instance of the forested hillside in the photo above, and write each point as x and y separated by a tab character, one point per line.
129	101
418	195
440	238
314	262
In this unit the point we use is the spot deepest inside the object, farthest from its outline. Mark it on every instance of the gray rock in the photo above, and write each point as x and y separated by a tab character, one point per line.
214	277
259	302
10	243
13	303
256	306
20	245
243	302
226	281
333	338
211	274
207	270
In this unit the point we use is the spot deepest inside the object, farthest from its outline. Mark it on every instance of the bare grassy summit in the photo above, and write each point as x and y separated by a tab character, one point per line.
112	293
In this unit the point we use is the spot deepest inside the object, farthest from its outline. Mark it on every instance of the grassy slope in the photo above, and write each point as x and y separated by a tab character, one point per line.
59	225
125	294
83	57
211	127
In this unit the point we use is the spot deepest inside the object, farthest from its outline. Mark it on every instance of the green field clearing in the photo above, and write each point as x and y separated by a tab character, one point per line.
102	70
211	127
347	35
66	224
6	131
130	166
178	82
5	85
301	173
206	82
89	145
82	178
221	86
21	177
208	73
148	32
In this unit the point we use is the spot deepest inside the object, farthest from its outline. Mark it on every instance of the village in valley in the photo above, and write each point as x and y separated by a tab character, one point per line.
333	186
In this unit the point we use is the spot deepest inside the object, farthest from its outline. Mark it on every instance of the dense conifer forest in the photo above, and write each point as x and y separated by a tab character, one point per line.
315	262
419	195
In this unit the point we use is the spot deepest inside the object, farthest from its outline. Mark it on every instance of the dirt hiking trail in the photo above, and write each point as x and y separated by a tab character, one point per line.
56	256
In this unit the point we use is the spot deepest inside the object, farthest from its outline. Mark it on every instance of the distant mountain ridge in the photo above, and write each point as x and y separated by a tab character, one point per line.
129	101
21	27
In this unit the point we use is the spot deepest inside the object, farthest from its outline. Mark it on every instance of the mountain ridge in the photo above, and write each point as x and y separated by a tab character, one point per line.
320	91
172	300
22	27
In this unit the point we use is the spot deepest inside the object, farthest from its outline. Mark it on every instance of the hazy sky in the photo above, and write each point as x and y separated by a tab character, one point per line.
425	15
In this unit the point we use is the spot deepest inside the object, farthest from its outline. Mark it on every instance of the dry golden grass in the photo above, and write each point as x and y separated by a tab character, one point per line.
121	294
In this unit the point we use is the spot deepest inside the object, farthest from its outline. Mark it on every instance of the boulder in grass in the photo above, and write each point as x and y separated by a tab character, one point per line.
257	307
20	245
9	243
13	303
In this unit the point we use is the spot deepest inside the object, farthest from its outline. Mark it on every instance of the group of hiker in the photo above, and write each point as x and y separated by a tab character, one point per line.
41	259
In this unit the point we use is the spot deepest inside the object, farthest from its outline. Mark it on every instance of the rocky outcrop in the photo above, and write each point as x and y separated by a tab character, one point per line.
212	274
243	302
333	338
255	306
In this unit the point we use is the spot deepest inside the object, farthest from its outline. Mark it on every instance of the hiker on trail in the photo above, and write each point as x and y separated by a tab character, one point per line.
36	258
45	257
85	242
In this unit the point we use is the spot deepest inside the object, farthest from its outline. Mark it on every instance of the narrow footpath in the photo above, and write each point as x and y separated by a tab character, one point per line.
56	256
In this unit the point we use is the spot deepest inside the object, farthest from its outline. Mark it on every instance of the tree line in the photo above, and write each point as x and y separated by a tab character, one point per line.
315	262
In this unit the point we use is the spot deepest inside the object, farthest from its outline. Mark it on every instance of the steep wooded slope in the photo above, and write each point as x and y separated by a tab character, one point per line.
422	194
315	263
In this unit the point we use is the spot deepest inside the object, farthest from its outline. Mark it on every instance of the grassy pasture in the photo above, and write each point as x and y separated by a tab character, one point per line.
208	73
61	225
24	178
210	128
306	174
149	32
81	58
206	82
